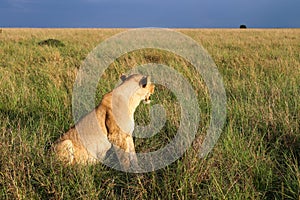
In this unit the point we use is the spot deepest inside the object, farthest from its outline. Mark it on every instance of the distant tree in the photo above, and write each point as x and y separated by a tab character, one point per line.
243	26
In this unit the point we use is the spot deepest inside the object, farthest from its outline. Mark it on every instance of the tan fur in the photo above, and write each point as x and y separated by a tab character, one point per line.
113	125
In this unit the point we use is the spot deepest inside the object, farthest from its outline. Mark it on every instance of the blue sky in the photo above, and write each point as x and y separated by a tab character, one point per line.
150	13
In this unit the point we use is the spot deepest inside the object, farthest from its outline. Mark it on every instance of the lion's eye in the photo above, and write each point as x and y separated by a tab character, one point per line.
144	85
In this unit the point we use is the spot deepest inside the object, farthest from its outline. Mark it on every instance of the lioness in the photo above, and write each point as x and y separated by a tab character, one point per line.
109	125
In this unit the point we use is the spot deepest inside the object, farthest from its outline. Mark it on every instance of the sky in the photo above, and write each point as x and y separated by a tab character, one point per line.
150	13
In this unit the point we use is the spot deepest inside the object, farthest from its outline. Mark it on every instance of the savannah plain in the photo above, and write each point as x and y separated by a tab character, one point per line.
256	157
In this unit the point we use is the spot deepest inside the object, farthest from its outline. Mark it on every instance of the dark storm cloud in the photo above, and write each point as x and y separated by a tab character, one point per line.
145	13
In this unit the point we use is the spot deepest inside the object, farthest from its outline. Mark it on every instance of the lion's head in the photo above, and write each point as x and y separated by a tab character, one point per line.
143	88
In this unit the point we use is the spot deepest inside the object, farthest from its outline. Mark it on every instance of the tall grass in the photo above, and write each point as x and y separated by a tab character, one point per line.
256	157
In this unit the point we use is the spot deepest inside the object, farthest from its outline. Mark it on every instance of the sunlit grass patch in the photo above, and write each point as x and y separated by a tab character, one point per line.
256	157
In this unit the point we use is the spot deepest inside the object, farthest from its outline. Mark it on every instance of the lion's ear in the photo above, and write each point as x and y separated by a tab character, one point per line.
143	81
123	77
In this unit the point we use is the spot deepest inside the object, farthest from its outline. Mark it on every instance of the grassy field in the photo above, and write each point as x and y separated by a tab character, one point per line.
256	157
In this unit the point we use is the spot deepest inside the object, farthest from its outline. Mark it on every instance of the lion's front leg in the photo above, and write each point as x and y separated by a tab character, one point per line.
132	155
125	152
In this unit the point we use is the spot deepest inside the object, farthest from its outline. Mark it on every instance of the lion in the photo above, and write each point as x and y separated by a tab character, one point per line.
110	125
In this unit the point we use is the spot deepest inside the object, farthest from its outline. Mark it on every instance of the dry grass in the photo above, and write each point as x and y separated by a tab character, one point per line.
257	156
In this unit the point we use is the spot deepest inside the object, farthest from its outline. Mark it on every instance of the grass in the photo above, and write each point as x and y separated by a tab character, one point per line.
256	157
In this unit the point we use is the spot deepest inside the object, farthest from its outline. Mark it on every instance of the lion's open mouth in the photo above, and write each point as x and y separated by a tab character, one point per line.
147	99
